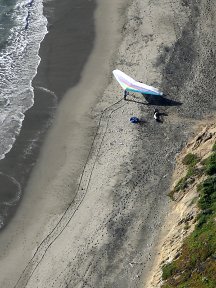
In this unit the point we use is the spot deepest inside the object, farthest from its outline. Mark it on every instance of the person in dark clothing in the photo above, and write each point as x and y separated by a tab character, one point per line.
125	94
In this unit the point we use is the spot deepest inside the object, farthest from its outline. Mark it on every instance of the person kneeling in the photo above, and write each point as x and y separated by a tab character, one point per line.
156	115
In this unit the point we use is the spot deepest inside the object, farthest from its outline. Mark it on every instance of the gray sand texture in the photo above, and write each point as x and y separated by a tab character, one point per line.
103	198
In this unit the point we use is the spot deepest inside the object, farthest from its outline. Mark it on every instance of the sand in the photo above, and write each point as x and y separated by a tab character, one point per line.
97	198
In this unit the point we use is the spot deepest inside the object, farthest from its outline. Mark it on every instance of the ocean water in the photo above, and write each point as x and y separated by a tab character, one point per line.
22	28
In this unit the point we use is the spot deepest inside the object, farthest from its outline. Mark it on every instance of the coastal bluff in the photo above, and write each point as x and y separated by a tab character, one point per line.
182	219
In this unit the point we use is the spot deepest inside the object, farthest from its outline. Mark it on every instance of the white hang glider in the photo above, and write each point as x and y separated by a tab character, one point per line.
129	84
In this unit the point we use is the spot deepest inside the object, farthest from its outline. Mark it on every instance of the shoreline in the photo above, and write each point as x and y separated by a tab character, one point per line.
49	88
18	223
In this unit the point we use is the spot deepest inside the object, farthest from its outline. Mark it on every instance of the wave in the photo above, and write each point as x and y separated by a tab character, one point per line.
19	60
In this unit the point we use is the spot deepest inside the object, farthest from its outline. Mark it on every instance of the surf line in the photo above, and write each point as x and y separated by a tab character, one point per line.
70	211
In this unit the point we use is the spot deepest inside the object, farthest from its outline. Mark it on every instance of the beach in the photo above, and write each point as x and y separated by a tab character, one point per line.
95	190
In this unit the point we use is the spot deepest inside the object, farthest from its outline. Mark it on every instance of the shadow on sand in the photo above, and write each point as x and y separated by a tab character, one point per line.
156	100
160	100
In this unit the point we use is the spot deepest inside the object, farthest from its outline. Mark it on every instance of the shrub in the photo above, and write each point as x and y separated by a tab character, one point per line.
214	147
171	194
207	192
190	159
181	185
192	171
185	181
211	169
202	219
168	270
210	164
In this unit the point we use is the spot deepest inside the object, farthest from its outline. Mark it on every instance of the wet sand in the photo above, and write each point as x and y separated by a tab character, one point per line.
96	200
60	68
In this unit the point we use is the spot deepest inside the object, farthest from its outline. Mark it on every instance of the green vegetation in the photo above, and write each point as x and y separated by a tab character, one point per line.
210	164
214	147
196	265
189	160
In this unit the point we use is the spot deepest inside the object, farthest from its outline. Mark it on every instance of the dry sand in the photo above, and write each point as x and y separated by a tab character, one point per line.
101	229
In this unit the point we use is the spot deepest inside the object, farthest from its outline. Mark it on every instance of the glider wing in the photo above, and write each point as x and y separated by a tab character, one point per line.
129	84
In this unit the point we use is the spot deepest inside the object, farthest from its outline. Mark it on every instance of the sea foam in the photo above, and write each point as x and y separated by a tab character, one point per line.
19	60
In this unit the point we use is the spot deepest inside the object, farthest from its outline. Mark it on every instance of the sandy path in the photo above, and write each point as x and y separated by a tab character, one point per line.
107	236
